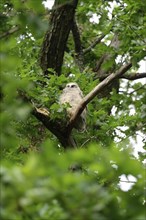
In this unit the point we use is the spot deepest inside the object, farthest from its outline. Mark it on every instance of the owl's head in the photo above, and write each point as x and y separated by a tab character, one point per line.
73	88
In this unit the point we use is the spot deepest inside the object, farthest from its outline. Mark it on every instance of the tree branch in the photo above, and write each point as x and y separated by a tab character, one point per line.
106	82
134	76
129	76
11	31
97	41
94	93
56	127
115	43
108	58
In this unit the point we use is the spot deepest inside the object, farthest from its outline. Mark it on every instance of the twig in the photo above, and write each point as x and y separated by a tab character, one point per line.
11	31
128	181
141	87
97	41
93	137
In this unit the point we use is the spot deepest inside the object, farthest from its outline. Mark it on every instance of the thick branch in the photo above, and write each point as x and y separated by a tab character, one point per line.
78	46
76	36
56	37
90	96
106	82
97	41
47	122
54	126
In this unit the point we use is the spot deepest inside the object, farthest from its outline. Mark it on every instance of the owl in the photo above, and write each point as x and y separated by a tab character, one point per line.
73	95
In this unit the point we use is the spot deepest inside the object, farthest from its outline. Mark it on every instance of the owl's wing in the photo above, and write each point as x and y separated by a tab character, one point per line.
81	94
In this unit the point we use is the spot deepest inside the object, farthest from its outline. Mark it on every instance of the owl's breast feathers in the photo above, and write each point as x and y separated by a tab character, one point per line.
74	96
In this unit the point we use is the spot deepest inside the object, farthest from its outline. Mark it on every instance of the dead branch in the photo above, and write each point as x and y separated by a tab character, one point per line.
94	93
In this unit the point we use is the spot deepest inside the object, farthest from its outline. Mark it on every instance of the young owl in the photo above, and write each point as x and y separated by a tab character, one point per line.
73	95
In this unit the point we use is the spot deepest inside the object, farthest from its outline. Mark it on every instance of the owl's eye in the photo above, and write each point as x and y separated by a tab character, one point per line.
73	86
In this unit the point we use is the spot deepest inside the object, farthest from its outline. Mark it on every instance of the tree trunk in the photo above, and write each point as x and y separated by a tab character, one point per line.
55	40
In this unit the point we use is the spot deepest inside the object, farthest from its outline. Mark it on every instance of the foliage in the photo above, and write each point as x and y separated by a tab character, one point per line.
37	181
45	188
